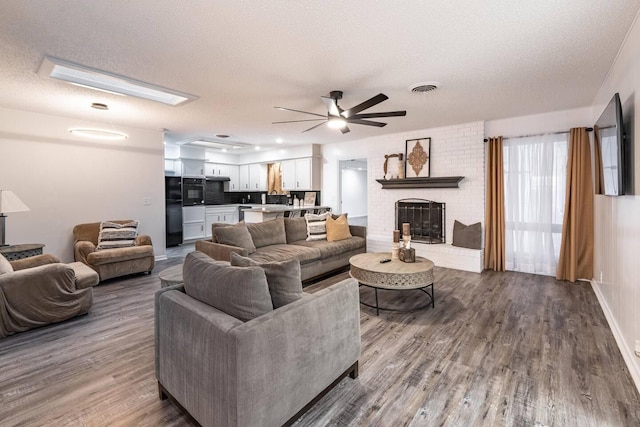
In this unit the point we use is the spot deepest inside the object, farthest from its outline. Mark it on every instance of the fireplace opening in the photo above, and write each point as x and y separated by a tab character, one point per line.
426	219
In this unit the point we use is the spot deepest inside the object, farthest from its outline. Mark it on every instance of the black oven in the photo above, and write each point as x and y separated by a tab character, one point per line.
192	191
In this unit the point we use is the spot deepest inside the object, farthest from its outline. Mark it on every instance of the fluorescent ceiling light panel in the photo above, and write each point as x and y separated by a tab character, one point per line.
107	82
98	134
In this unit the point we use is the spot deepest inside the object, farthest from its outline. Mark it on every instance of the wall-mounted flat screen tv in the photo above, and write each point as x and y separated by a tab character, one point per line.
610	130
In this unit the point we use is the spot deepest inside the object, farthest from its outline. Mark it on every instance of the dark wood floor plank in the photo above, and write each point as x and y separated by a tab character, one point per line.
498	349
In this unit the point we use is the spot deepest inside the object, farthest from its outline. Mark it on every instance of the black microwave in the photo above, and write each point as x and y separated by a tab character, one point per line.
192	191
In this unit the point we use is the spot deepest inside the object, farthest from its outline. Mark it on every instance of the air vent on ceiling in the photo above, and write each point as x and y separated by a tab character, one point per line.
424	87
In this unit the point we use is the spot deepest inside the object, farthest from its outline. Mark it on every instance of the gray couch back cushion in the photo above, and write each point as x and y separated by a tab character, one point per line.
267	233
241	292
235	235
467	236
283	278
296	229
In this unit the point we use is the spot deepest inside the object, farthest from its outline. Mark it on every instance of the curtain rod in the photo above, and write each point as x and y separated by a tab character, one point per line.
537	134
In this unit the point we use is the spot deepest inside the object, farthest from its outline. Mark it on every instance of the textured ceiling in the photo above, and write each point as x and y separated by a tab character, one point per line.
494	60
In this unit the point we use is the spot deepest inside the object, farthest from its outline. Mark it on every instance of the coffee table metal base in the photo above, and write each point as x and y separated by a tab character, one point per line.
378	308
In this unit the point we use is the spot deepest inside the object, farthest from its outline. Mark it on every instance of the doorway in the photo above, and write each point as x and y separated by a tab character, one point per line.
353	190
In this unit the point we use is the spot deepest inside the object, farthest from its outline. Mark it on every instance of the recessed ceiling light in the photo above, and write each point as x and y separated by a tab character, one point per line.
99	106
98	133
224	150
424	87
105	81
279	141
222	136
257	147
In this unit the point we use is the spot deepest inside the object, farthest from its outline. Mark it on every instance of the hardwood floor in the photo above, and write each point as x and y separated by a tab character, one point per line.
498	349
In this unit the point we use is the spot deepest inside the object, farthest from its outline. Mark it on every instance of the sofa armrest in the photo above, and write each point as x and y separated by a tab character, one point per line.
216	365
82	249
34	261
219	251
143	240
358	230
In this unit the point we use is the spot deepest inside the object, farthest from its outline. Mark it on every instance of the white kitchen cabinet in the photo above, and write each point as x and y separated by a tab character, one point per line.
193	222
243	171
258	177
223	214
172	167
216	169
296	174
193	168
234	178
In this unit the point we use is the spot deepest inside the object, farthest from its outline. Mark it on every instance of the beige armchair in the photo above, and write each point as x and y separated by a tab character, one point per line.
109	263
39	290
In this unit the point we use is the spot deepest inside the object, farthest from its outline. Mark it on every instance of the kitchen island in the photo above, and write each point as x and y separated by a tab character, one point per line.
266	212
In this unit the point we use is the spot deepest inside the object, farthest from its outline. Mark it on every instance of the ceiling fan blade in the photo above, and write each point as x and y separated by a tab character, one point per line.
366	104
366	122
299	111
332	105
296	121
344	130
374	115
313	127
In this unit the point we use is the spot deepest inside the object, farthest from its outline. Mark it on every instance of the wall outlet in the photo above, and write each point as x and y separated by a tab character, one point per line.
147	201
637	348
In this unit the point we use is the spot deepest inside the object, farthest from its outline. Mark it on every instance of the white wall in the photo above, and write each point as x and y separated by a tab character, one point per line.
354	194
617	219
66	180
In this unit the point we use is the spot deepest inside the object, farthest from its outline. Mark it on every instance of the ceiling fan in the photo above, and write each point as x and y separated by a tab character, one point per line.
337	118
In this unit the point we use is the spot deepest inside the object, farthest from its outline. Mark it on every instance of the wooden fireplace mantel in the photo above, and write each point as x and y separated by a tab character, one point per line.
431	182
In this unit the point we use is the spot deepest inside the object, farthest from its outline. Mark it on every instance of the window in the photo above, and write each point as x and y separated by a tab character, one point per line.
535	171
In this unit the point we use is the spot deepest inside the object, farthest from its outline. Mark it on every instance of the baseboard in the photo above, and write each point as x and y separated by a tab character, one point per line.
627	353
161	257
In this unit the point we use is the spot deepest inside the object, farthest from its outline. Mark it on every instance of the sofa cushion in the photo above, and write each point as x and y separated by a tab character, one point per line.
241	292
467	236
235	235
114	235
216	225
338	228
108	256
286	252
295	228
5	265
317	226
268	232
283	278
330	249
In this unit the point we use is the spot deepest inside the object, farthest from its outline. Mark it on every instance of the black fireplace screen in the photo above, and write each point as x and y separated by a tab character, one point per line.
427	219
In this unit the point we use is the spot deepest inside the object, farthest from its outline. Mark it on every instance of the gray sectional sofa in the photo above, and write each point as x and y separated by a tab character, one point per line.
263	372
285	238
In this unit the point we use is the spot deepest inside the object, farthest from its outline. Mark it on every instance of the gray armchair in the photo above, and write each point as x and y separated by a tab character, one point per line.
40	291
264	372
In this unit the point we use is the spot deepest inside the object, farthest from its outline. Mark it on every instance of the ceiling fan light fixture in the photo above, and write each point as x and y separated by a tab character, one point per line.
336	122
424	87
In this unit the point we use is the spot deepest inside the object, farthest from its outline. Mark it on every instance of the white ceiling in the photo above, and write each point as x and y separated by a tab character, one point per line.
496	59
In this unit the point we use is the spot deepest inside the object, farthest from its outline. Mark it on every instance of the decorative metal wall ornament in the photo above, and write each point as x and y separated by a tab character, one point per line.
417	154
395	168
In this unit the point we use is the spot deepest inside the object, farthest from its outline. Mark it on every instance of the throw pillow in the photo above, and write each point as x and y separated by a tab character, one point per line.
268	232
216	225
235	235
317	226
296	229
283	278
5	265
338	229
467	236
114	235
241	292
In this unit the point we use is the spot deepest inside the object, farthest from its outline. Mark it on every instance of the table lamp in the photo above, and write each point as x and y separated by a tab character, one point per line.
9	202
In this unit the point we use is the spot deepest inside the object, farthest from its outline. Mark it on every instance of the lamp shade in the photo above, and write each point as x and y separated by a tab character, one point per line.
9	202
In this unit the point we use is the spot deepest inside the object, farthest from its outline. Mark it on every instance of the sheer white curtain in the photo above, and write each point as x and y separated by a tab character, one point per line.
535	170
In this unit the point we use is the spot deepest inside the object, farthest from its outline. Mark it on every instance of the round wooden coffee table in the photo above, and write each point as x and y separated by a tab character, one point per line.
393	275
171	276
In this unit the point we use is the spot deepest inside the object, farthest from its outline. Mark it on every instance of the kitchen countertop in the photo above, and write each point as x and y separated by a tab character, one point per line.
282	208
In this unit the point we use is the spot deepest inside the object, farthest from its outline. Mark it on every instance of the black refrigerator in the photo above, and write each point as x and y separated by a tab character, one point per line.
173	208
